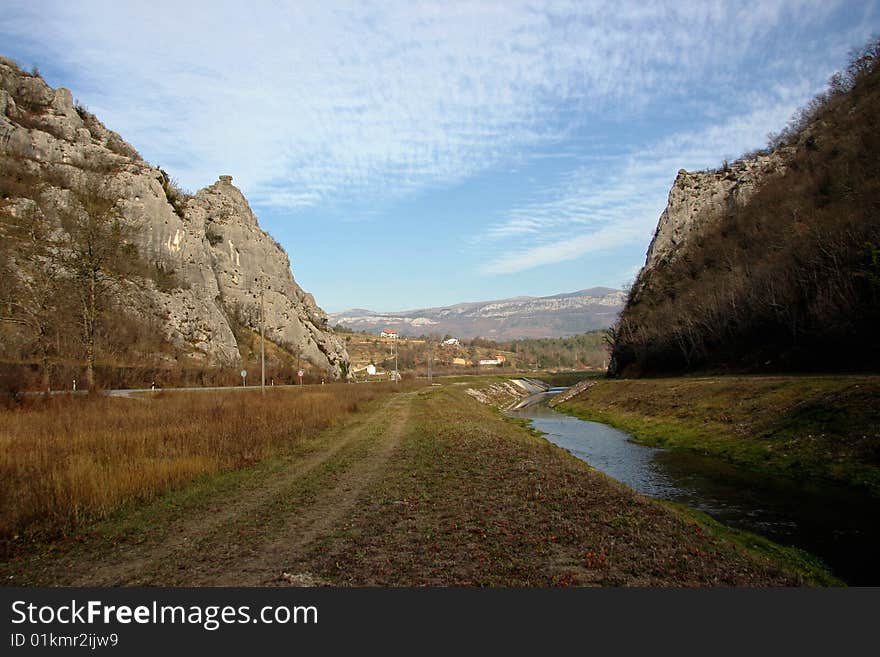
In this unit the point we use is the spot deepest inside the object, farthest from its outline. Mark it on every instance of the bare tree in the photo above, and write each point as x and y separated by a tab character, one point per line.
97	256
29	266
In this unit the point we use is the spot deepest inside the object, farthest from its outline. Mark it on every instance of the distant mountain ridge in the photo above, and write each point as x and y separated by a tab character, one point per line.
553	316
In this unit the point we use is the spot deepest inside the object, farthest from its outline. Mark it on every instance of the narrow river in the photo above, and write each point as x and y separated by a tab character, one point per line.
832	522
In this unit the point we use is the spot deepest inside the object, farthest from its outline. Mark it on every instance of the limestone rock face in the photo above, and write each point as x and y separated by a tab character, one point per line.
699	199
212	242
253	271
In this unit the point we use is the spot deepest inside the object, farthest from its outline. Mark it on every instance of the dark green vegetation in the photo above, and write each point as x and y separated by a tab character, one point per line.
789	280
423	487
578	351
796	426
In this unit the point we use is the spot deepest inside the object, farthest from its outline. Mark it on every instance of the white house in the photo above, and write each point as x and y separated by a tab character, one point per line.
371	369
451	341
389	333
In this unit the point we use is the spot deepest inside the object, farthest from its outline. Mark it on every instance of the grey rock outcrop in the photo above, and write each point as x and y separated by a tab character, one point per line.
211	241
698	199
247	263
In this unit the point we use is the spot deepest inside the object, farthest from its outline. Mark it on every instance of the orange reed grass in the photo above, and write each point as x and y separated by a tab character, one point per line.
66	460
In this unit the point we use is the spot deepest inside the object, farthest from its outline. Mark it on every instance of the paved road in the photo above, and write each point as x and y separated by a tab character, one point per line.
124	392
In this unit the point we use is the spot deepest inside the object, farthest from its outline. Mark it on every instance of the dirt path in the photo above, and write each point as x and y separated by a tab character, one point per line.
314	521
244	540
421	488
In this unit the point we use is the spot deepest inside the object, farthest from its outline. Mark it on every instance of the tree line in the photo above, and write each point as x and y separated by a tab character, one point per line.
574	352
588	350
64	258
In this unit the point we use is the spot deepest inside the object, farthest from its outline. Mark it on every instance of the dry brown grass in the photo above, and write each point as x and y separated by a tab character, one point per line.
67	460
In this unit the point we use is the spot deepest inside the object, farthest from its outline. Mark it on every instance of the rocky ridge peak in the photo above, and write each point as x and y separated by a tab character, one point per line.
211	241
701	198
248	264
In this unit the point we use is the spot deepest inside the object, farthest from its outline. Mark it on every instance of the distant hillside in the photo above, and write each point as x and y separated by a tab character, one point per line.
505	319
771	262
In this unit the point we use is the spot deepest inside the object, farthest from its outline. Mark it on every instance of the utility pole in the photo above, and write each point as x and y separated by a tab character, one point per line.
262	281
430	362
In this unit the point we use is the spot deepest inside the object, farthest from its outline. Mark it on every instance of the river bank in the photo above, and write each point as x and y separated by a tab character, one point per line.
801	522
800	427
427	487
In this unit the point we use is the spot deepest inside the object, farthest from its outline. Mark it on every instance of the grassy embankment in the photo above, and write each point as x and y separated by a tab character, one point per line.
65	461
825	427
428	487
474	498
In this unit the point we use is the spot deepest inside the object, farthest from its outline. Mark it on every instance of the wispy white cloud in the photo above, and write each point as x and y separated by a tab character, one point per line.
569	248
328	100
598	207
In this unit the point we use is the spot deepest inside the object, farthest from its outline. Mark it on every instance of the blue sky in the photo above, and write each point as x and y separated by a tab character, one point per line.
413	154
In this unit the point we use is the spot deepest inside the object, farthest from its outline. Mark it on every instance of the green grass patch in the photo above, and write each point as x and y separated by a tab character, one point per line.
474	498
799	427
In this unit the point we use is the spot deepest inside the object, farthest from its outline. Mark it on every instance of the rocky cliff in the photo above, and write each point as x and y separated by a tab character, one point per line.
701	199
771	263
212	243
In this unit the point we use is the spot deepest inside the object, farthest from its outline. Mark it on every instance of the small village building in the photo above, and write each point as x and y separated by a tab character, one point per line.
451	341
459	361
371	369
389	333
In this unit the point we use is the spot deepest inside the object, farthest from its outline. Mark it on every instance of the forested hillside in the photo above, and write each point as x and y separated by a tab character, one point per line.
785	277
